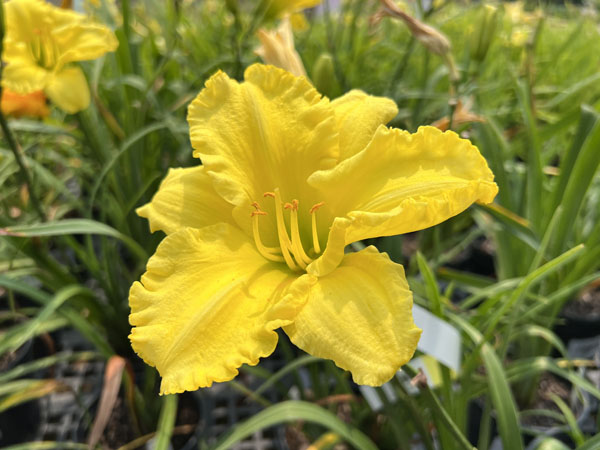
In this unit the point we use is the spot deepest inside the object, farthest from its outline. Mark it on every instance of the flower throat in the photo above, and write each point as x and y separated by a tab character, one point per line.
290	248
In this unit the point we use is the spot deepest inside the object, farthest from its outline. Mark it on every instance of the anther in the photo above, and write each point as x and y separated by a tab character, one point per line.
315	234
267	252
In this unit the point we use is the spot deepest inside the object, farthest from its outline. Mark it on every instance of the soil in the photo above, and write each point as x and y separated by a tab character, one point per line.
7	359
119	430
188	414
477	258
587	305
549	384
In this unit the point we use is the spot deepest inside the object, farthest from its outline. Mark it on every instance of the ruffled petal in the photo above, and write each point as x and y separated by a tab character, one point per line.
401	182
185	198
23	76
209	303
358	115
272	131
80	40
279	8
69	90
360	316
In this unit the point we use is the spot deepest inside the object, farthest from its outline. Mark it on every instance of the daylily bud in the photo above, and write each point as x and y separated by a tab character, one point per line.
431	38
323	76
277	48
484	32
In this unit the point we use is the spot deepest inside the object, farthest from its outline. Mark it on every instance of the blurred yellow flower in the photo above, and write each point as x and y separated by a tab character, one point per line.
256	235
279	8
24	105
277	48
41	43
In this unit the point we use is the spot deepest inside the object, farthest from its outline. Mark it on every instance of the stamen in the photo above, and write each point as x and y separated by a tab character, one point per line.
267	252
315	234
301	256
284	239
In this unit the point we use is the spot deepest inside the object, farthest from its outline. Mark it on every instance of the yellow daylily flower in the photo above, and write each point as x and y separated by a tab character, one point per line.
279	8
277	48
41	44
27	105
256	235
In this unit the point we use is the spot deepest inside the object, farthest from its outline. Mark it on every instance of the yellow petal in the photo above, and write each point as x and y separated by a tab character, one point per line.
271	131
360	316
209	303
277	48
279	8
23	76
185	198
401	183
82	40
358	115
69	90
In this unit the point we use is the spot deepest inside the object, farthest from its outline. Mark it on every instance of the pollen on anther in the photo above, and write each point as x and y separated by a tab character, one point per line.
316	207
258	213
269	194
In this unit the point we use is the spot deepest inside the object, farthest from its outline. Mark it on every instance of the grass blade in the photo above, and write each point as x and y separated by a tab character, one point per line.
292	411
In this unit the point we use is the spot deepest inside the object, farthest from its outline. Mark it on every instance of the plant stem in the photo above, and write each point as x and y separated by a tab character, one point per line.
439	410
12	143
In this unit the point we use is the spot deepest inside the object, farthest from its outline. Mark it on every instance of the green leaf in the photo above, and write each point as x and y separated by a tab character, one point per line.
31	327
291	411
499	389
579	182
42	363
73	226
78	322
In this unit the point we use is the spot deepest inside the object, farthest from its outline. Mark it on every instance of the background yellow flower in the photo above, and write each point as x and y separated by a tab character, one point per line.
28	105
41	43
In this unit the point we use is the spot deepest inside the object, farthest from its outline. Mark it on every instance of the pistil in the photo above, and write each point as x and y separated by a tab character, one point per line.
284	239
301	257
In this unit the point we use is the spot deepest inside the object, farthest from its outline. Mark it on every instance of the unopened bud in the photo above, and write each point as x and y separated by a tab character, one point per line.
323	76
483	35
431	38
277	48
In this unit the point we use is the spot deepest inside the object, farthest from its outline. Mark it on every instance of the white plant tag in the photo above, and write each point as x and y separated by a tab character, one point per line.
439	340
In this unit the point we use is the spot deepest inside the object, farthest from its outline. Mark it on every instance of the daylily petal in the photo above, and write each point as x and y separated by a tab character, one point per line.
209	303
82	41
401	183
23	76
185	198
360	316
272	131
358	115
69	90
22	16
278	8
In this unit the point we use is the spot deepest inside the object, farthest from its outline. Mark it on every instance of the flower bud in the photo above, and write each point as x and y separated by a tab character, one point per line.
323	76
484	32
277	48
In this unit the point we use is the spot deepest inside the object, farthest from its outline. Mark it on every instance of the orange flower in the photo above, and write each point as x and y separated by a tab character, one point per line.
19	105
